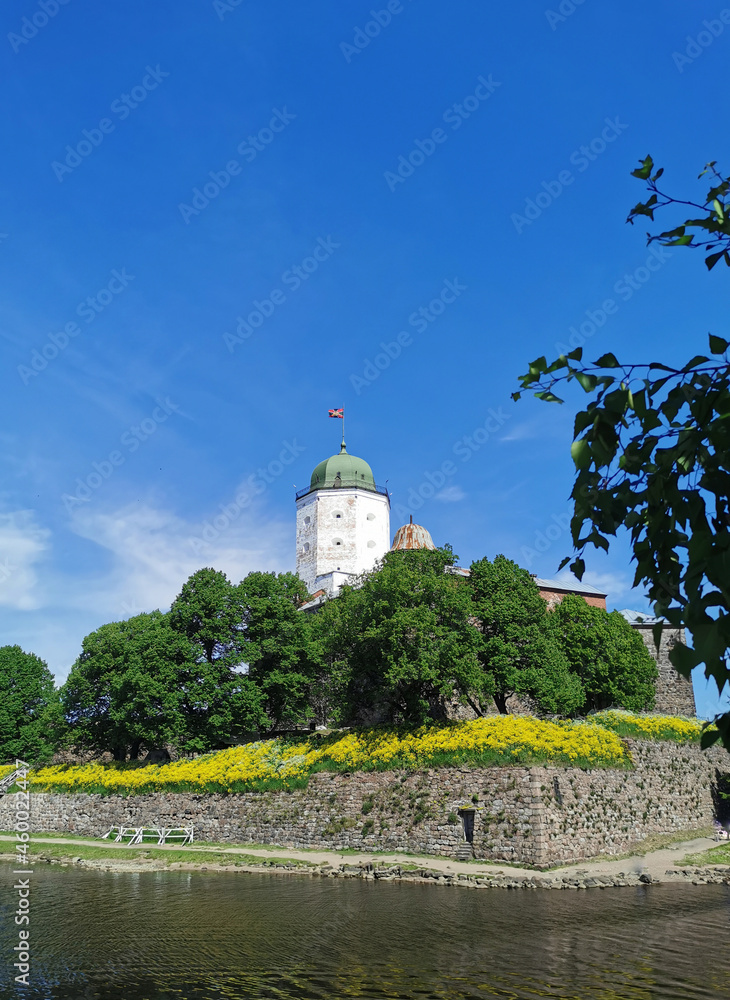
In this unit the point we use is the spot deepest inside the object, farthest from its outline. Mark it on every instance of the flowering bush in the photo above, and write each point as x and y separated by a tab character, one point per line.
5	769
279	763
650	727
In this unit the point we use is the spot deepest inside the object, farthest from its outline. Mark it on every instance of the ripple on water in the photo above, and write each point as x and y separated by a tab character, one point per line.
209	936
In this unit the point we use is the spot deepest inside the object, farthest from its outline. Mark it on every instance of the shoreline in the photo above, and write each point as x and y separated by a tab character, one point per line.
664	865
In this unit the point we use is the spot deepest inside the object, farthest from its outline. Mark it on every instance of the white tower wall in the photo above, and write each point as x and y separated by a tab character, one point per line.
340	531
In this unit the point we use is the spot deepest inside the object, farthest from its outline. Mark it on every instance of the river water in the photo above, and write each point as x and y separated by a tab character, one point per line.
208	936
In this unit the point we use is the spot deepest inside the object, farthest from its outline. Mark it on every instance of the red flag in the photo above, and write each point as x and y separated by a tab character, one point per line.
338	413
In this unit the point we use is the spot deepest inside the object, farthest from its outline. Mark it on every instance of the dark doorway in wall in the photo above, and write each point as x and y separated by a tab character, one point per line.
467	818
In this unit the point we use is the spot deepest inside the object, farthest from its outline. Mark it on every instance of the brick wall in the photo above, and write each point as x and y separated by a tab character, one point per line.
553	597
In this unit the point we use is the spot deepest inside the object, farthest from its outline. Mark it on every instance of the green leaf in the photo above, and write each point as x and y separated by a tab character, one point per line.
718	345
578	567
580	451
713	258
607	361
708	738
588	382
644	171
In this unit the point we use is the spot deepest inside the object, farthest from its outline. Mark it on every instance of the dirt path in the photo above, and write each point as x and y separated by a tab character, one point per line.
654	863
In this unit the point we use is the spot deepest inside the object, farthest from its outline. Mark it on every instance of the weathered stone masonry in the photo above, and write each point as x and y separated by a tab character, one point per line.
536	815
674	693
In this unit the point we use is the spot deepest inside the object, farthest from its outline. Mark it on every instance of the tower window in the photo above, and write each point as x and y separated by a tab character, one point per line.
337	541
337	514
306	546
371	517
307	520
371	544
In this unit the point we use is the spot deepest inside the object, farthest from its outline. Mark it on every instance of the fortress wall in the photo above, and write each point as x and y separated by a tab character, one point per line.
531	815
674	693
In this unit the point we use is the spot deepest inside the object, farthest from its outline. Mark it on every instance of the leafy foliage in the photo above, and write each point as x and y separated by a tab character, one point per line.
608	655
206	611
277	644
218	700
651	452
137	682
402	642
517	651
712	227
30	719
124	688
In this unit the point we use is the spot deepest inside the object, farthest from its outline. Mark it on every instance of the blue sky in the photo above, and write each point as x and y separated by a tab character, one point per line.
216	214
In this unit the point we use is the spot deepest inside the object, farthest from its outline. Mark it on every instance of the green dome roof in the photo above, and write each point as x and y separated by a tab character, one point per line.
342	470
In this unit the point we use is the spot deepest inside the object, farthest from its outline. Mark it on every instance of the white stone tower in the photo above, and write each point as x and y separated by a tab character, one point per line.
343	523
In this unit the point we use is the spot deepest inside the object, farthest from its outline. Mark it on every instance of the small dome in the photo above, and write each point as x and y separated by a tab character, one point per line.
412	536
342	470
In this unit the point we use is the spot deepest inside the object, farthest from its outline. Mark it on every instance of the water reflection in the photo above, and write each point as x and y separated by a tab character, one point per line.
208	936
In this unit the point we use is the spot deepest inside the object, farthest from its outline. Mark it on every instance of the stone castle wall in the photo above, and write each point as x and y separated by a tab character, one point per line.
674	693
534	815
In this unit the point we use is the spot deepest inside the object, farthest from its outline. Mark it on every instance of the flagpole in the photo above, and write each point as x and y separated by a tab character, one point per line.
343	426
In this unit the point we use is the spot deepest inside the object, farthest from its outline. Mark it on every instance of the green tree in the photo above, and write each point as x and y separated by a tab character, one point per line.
651	453
402	644
277	645
219	700
517	650
29	717
608	655
207	611
124	690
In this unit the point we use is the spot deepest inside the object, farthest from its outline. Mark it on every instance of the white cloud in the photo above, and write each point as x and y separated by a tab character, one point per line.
22	546
154	551
452	494
521	432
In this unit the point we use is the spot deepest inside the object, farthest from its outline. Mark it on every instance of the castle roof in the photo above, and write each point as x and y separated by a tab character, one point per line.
412	536
639	618
342	470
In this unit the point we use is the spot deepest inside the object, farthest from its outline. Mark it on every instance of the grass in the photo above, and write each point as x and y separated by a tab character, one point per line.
125	855
715	856
658	728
